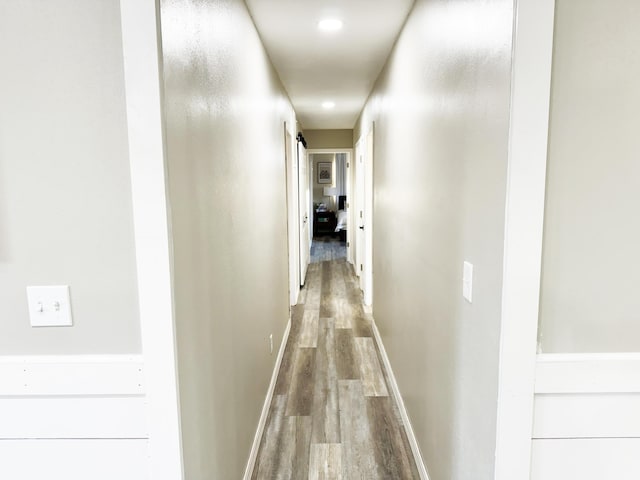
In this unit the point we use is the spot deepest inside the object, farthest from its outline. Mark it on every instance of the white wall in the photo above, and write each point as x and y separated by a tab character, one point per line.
590	298
224	117
441	113
65	194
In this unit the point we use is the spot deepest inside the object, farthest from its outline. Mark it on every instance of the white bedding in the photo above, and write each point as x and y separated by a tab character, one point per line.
341	223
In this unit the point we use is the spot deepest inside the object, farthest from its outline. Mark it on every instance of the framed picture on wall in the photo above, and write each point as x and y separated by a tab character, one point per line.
325	172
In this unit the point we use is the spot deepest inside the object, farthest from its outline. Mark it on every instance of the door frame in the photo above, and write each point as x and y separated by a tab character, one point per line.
523	235
302	158
141	46
363	215
291	165
349	186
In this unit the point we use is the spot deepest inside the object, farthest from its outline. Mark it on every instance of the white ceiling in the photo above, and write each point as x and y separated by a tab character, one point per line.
315	66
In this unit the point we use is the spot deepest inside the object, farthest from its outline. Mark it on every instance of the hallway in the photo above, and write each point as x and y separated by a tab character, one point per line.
332	415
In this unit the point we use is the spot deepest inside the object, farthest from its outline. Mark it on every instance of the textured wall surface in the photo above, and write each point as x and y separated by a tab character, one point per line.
441	113
225	113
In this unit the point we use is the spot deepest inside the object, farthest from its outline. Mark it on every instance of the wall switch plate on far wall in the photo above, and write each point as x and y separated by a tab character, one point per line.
49	306
467	282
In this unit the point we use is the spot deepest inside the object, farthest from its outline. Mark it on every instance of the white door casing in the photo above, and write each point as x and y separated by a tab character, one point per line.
142	67
526	177
350	209
304	212
291	162
368	219
364	214
358	213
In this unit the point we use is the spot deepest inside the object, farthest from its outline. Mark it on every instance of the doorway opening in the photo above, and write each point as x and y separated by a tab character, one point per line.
330	186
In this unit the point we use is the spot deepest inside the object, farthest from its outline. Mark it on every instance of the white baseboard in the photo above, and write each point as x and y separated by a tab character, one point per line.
253	455
422	470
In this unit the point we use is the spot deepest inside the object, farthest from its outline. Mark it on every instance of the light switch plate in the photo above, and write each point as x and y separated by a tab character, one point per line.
49	306
467	282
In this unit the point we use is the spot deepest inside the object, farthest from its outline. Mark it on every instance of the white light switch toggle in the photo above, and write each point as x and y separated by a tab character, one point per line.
49	306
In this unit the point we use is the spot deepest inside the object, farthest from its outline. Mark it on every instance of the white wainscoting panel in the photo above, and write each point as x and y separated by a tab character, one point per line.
587	417
73	417
80	459
72	375
588	373
586	459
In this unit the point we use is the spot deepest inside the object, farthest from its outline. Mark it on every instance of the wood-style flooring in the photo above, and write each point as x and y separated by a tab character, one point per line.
332	416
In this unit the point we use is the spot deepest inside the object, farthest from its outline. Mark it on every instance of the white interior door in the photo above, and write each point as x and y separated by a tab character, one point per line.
291	162
367	283
364	215
359	212
303	212
350	209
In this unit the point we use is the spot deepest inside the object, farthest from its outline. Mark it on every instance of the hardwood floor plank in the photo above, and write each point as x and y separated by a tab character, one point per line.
302	296
295	451
313	286
324	413
300	468
268	455
287	456
358	460
300	398
346	359
336	293
352	284
326	461
389	449
313	298
373	382
286	365
308	336
359	321
326	298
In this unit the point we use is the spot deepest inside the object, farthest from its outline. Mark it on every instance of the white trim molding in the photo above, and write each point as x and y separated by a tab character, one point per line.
255	447
588	373
73	417
587	417
68	375
526	176
141	47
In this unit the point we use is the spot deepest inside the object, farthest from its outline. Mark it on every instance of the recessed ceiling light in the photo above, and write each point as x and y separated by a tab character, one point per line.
328	105
330	25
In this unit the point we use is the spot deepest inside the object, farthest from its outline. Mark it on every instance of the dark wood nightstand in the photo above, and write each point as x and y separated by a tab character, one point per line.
324	222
